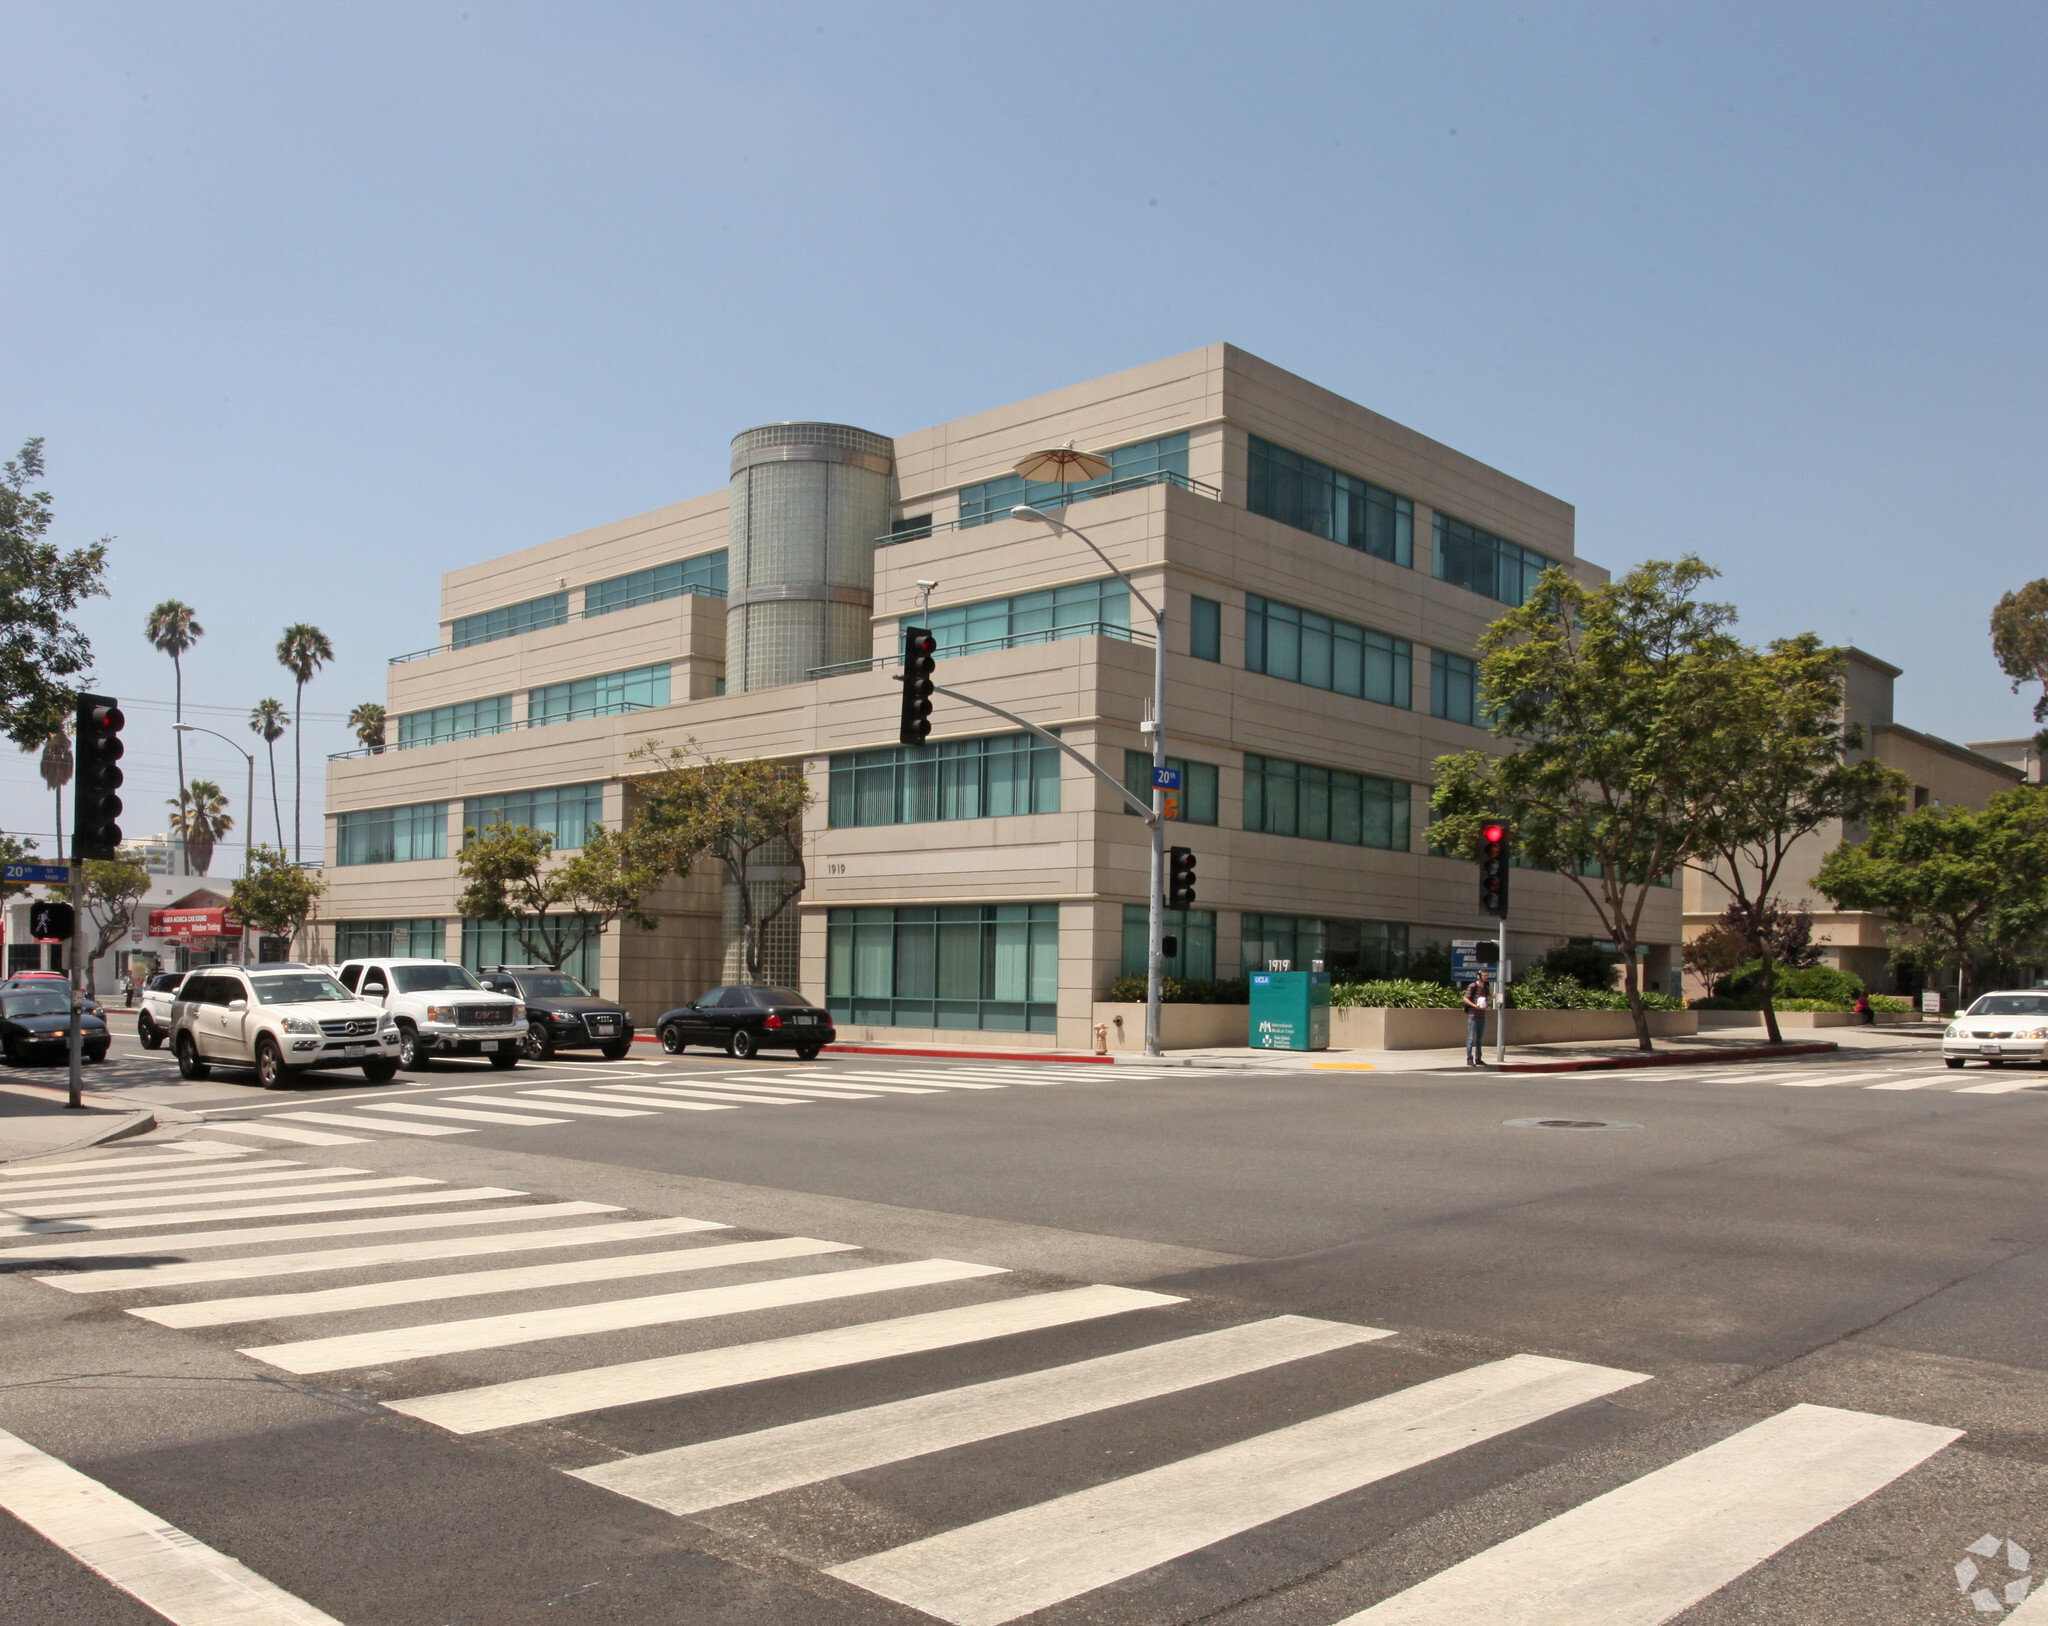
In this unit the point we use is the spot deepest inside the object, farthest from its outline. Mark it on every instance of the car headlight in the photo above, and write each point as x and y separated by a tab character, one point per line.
563	1016
519	1013
1953	1033
300	1024
440	1013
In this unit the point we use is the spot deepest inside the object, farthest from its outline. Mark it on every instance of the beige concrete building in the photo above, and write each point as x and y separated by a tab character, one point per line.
1943	775
1327	574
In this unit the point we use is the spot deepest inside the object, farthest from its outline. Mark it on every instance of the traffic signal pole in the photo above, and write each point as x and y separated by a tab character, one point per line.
76	1048
95	805
1500	999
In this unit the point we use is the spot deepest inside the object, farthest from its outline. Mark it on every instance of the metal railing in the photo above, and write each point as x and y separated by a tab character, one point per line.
1109	488
693	590
580	714
1016	640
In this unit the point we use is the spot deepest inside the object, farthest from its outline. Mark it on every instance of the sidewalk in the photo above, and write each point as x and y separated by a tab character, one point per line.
34	1120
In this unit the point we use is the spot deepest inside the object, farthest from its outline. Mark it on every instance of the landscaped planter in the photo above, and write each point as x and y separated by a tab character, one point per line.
1811	1019
1372	1027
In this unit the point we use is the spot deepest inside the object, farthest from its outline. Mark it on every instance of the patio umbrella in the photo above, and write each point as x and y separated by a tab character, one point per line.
1062	464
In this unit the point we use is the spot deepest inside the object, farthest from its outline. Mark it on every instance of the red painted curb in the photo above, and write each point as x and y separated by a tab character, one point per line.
1666	1059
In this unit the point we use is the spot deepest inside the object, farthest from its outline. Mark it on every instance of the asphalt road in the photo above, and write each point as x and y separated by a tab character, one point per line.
892	1340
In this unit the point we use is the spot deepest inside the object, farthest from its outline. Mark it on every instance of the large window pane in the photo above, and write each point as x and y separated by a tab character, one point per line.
1484	563
634	690
998	776
1325	804
392	835
705	573
1205	629
991	966
1304	646
1080	609
1129	467
1312	496
463	720
565	812
550	610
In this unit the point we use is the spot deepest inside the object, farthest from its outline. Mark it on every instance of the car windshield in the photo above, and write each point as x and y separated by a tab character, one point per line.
20	1005
424	979
780	996
300	988
551	985
2011	1005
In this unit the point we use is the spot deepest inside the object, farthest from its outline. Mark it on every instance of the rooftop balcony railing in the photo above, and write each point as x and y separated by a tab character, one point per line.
692	590
1016	640
577	715
1108	488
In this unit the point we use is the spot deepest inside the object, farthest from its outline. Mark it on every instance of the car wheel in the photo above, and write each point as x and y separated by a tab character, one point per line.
412	1055
189	1064
271	1071
502	1059
672	1039
741	1044
1947	1062
148	1033
807	1052
95	1055
380	1072
617	1051
536	1042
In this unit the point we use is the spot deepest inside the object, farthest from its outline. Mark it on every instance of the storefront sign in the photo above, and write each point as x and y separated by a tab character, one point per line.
185	924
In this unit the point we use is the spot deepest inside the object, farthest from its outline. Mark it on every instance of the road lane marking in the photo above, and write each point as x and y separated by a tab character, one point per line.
192	1241
1830	1078
72	1208
474	1283
951	1081
305	1137
113	1161
990	1572
1647	1551
2003	1086
826	1092
858	1081
1919	1081
646	1110
718	1472
553	1106
176	1575
214	1216
346	1121
566	1394
654	1092
462	1113
663	1309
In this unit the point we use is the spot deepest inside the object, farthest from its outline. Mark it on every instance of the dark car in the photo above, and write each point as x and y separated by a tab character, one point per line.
561	1014
36	1026
740	1021
25	982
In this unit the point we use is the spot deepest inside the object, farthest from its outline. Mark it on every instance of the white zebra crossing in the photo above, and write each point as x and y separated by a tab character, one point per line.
303	1137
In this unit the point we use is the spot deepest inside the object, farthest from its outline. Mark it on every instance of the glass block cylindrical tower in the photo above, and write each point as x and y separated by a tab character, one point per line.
808	501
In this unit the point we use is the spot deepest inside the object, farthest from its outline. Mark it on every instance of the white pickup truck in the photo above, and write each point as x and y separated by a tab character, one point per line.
441	1010
153	1021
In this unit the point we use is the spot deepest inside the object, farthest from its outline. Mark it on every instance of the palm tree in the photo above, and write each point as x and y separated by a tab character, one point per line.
368	722
199	814
302	651
56	768
172	629
269	719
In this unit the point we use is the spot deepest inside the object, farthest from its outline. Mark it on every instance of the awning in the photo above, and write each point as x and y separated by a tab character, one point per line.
187	923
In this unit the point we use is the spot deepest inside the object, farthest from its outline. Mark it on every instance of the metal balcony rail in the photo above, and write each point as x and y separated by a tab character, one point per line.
1016	640
1109	488
690	591
578	715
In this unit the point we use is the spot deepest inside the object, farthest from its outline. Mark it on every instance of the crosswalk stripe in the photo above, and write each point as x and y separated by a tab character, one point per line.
1642	1553
111	1162
304	1137
250	1266
209	1216
463	1114
858	1081
1824	1079
610	1111
474	1283
193	1241
666	1104
667	1092
803	1091
739	1467
174	1574
566	1394
946	1080
193	1174
2003	1086
1919	1081
987	1573
551	1106
346	1121
662	1309
71	1208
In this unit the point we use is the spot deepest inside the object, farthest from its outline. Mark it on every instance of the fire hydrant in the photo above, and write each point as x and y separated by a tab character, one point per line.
1102	1039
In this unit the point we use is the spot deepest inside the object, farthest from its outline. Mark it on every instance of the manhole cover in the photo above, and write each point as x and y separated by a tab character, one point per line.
1568	1123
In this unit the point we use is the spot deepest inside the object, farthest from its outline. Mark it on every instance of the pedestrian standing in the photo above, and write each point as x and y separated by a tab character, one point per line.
1477	996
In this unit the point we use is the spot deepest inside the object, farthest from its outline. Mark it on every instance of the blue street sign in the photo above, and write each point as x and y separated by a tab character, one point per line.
43	874
1166	779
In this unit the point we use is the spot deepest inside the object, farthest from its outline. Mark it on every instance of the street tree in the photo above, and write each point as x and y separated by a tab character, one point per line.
113	888
40	586
268	720
199	814
1778	771
748	815
368	721
555	905
1960	889
302	651
172	629
277	897
56	768
2019	639
1607	700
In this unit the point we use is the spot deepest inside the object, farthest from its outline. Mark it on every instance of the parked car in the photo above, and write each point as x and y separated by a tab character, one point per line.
440	1010
159	996
24	982
740	1021
35	1025
281	1020
561	1014
1998	1028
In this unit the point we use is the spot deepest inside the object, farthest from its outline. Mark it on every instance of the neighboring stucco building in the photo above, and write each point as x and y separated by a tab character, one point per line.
1327	575
1943	775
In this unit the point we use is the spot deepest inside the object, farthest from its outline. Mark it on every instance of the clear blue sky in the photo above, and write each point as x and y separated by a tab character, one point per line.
315	302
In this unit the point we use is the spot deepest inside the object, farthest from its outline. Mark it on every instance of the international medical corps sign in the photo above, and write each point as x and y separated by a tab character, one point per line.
183	925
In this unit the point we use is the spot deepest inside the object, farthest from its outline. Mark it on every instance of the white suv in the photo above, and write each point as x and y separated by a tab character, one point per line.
440	1009
280	1020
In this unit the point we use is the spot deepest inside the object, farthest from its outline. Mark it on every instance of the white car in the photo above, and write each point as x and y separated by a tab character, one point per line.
440	1009
2000	1028
281	1020
159	1004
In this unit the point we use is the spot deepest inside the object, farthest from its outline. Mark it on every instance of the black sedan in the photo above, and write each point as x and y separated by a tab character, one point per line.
37	1027
560	1012
740	1021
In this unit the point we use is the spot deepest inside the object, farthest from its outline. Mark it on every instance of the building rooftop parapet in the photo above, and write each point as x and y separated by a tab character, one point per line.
1948	748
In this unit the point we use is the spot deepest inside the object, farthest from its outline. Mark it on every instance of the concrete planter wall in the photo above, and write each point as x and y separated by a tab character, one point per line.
1181	1027
1809	1019
1214	1027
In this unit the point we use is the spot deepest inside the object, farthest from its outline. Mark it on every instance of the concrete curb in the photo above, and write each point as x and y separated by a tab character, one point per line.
1724	1058
969	1055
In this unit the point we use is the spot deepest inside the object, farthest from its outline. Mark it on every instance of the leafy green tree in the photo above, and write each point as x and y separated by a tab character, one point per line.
40	585
302	651
1960	889
199	814
509	874
268	720
276	897
172	629
113	887
1778	772
2019	639
748	815
1609	699
14	850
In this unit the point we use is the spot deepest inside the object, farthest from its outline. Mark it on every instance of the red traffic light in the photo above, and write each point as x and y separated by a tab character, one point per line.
1493	832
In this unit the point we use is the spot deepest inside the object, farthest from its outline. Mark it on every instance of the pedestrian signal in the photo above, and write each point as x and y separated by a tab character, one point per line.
50	922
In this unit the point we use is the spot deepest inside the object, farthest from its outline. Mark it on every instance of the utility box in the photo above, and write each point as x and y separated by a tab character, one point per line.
1290	1010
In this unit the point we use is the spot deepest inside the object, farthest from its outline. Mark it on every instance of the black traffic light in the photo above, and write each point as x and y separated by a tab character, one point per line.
920	659
50	922
96	802
1180	877
1493	867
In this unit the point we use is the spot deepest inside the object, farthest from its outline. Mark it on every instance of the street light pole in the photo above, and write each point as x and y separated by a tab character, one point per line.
1155	725
248	809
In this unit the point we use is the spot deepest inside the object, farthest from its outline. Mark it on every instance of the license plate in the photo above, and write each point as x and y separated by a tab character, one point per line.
355	1050
602	1027
804	1021
1987	1050
490	1044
